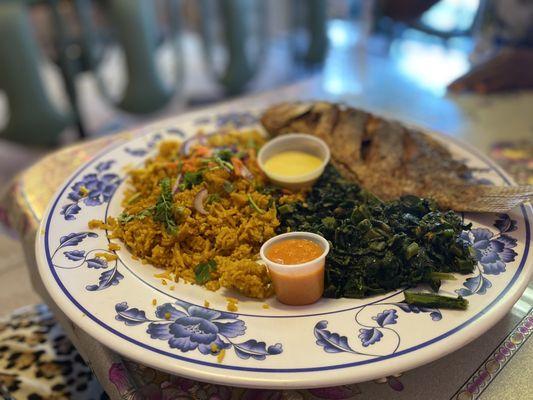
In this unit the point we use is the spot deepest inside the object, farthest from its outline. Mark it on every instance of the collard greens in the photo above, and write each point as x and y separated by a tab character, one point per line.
378	246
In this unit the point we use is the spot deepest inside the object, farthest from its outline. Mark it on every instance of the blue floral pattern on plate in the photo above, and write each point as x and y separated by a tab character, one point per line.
142	151
92	259
369	335
236	120
493	252
92	190
188	327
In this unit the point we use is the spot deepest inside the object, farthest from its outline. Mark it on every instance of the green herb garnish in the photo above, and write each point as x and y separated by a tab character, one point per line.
191	179
286	209
225	154
228	187
213	198
163	211
431	300
223	163
254	205
124	218
443	276
202	272
268	189
411	250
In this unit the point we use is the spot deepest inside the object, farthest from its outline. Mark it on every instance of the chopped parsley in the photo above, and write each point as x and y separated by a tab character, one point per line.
163	211
203	271
225	154
191	179
124	217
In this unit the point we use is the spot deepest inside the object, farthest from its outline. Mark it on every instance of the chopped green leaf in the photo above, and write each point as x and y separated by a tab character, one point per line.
213	198
191	179
223	163
228	187
145	213
329	222
225	154
435	301
254	205
443	276
268	189
163	211
203	271
124	218
286	209
411	250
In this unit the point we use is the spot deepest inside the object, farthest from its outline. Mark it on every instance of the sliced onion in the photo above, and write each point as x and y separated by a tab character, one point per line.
175	188
185	149
187	145
245	173
199	201
202	139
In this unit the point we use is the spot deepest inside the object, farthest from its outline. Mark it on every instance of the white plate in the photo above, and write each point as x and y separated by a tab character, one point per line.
329	343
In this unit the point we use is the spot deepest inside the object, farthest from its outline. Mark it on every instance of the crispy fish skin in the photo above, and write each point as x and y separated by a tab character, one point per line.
384	156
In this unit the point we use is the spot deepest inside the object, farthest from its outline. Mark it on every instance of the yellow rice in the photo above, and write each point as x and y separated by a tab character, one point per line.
230	234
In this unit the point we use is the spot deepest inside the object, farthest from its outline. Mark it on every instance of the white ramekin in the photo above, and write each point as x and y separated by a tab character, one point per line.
296	270
295	142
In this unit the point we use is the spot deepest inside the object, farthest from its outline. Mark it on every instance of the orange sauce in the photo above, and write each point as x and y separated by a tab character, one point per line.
293	251
300	288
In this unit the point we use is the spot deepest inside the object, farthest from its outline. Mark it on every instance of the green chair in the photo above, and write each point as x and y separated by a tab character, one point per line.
33	118
311	17
234	15
136	28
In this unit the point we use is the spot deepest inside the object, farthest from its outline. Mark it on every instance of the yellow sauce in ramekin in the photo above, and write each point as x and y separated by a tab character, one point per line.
292	163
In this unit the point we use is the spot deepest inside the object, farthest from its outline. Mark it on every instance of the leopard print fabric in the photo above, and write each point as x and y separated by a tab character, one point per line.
38	361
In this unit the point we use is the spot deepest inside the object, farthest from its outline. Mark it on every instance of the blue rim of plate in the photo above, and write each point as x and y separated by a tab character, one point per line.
108	328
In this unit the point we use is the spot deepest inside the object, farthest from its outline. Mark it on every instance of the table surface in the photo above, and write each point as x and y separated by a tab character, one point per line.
495	366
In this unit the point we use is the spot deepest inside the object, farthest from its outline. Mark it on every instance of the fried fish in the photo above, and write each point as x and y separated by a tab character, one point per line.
390	159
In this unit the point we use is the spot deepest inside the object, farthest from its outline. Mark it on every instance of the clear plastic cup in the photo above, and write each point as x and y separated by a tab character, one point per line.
295	142
297	284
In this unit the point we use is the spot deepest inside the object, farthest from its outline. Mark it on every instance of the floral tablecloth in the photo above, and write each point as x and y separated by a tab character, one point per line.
47	356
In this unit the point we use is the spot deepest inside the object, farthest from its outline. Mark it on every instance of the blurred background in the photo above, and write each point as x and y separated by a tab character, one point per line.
77	69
